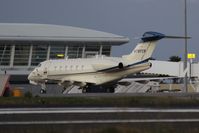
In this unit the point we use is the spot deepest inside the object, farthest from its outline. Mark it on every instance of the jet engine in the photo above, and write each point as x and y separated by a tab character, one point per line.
120	65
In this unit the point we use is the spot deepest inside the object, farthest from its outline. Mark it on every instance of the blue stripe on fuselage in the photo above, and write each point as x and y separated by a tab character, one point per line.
137	63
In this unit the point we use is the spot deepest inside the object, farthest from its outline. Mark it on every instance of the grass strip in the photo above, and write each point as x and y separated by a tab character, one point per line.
117	101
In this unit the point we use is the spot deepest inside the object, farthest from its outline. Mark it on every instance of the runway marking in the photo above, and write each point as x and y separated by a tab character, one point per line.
91	110
99	121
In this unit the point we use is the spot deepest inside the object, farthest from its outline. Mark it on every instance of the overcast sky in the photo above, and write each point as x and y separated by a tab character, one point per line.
129	18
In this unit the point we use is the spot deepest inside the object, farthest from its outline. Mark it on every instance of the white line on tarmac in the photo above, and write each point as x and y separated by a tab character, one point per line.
99	121
91	110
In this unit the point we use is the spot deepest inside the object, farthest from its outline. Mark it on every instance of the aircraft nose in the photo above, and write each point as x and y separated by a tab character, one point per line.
30	76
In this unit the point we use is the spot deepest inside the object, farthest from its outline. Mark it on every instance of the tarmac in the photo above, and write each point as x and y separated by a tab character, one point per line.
36	119
54	90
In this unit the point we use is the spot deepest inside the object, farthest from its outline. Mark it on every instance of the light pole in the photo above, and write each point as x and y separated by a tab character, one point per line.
185	48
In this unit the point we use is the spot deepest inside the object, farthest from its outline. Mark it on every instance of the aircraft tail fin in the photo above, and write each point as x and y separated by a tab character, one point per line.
145	48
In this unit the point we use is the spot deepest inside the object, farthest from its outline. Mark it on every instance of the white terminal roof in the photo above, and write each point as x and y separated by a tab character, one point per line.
47	32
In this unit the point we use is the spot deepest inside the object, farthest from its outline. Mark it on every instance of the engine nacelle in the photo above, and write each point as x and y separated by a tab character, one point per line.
120	65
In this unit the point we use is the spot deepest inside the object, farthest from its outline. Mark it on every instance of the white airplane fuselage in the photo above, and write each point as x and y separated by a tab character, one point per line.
96	71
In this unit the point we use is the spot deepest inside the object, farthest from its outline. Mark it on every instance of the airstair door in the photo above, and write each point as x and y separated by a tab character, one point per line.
45	70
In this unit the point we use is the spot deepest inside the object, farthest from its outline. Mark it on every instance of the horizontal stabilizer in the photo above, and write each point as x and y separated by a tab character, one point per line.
177	37
155	36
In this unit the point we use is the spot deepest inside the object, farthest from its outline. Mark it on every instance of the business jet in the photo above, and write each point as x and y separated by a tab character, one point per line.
98	71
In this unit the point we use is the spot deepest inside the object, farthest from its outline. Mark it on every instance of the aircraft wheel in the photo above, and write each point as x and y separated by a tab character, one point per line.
83	90
43	91
111	90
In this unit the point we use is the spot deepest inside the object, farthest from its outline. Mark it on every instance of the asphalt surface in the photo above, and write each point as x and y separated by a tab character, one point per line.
54	90
25	116
186	95
31	120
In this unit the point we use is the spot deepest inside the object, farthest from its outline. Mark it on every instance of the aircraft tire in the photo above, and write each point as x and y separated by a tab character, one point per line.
43	91
111	90
84	90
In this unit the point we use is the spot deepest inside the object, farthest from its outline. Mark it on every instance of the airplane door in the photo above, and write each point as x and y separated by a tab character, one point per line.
45	69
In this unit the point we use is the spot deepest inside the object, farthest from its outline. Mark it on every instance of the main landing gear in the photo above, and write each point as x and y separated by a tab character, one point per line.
43	89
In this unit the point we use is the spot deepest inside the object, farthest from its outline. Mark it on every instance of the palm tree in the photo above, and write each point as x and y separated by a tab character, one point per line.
174	58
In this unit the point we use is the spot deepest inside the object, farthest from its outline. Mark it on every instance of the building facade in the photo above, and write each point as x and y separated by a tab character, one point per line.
30	54
24	46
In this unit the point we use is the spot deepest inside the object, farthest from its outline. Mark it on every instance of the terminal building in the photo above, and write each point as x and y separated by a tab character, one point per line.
23	46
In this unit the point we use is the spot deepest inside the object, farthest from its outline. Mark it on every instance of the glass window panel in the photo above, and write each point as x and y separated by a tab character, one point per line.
93	48
75	51
5	54
106	50
39	54
57	51
21	55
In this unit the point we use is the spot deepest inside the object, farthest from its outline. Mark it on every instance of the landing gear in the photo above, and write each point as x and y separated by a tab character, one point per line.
43	89
110	90
85	89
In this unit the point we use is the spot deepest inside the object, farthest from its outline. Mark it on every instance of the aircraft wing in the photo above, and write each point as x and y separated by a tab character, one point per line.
104	67
148	78
119	66
80	80
109	67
